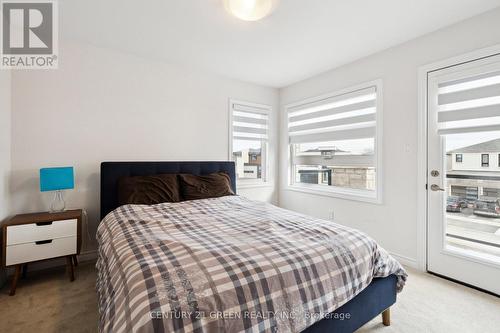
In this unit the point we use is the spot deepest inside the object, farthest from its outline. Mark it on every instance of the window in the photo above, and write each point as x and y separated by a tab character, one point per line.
485	160
249	133
459	158
335	144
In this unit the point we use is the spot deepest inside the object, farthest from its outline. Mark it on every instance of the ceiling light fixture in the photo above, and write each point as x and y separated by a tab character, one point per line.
250	10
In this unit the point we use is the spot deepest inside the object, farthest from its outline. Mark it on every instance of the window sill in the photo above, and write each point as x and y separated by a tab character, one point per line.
244	185
345	194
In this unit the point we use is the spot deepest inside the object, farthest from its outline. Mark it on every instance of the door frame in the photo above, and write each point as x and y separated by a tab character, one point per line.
422	176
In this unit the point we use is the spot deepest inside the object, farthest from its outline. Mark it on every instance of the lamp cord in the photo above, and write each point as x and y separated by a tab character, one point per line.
85	220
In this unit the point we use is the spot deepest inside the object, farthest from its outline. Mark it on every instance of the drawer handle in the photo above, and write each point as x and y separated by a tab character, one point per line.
48	241
43	223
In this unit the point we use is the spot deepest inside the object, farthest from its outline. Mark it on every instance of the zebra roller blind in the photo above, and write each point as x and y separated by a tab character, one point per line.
470	103
343	117
250	122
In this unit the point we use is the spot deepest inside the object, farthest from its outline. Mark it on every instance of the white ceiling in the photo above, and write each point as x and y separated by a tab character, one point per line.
300	39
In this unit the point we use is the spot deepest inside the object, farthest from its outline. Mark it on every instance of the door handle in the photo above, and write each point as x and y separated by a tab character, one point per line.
435	187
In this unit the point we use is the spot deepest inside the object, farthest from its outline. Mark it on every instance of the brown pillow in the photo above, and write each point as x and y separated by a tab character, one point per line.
148	190
202	187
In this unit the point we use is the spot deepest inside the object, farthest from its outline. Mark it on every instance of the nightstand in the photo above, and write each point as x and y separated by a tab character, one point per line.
41	236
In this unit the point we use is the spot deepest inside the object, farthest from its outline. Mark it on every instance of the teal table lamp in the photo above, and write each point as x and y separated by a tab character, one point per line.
57	179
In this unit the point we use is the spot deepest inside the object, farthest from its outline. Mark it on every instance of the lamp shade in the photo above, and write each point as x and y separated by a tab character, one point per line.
53	179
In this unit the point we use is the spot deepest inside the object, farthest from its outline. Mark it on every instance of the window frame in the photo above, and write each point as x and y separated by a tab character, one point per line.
461	158
264	181
485	164
375	197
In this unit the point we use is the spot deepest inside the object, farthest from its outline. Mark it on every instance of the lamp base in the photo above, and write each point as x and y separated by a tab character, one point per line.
58	204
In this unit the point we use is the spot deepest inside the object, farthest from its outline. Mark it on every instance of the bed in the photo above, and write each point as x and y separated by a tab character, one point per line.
231	264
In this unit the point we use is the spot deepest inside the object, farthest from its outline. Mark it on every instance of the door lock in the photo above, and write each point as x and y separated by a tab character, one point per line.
434	173
435	187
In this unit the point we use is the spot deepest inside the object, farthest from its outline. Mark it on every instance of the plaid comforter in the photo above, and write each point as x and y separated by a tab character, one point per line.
228	265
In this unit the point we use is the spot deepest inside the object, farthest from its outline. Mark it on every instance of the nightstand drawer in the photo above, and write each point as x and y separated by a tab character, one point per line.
27	252
32	232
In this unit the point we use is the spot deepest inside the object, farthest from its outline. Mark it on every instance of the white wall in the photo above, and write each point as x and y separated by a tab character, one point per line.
102	105
5	142
394	222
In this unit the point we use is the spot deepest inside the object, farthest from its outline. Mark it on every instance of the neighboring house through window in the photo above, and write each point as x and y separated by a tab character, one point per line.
335	143
478	161
459	158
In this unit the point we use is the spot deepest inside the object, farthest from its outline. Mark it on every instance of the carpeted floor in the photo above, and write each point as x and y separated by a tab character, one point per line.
431	304
48	302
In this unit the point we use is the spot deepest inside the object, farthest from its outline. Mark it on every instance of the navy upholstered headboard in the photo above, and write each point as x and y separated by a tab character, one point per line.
112	171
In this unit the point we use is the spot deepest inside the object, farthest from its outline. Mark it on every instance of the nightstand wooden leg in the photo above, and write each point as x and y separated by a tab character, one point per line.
25	271
75	260
14	280
69	261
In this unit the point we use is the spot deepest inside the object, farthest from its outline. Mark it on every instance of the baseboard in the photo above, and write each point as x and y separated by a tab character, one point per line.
405	261
88	256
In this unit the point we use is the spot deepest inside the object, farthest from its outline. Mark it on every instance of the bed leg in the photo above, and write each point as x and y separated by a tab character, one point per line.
386	317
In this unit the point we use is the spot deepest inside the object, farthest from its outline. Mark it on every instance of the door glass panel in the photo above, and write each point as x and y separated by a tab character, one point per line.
472	192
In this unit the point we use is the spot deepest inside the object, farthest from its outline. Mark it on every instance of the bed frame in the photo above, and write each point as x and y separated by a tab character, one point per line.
369	303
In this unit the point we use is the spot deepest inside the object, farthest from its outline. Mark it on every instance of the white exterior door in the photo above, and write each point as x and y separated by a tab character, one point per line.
463	197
